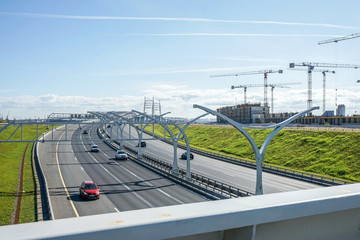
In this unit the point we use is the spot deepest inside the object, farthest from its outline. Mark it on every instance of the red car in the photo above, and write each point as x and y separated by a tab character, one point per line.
89	190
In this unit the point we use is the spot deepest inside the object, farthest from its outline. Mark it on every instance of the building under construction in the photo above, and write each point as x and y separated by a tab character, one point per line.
245	113
255	113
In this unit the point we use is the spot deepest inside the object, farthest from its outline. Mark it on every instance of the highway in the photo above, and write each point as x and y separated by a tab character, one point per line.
124	185
237	176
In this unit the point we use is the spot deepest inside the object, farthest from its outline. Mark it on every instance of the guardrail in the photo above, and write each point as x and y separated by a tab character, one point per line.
308	177
198	183
44	193
203	181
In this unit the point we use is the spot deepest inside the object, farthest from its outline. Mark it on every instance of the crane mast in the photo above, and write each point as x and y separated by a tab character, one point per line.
323	71
281	85
265	72
311	66
245	88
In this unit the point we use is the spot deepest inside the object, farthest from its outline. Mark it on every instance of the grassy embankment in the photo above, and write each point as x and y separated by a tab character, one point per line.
10	159
328	153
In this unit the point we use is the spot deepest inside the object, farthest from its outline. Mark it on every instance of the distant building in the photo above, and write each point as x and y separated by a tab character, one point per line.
245	113
340	111
328	114
255	113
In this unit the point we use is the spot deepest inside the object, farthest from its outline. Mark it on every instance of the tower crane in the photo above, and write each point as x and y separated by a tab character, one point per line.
265	72
281	85
323	71
311	66
245	88
355	35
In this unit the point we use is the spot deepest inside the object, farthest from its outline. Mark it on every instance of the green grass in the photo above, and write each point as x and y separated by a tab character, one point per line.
28	203
328	153
10	159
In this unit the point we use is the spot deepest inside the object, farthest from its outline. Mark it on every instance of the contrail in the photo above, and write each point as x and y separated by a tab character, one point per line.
76	17
228	34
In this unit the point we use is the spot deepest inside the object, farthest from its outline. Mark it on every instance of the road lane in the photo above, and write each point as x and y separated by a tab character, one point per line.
47	154
127	184
60	166
238	176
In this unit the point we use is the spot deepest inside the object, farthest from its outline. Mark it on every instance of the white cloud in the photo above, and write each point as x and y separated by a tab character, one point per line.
76	17
28	106
176	99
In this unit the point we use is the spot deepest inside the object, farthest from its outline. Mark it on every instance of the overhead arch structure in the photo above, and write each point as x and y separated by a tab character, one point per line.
144	125
259	154
178	137
127	121
164	124
175	166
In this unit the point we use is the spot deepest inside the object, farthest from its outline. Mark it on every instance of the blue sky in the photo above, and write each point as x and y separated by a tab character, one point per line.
78	56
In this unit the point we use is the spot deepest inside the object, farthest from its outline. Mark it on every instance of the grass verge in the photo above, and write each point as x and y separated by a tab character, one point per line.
10	159
327	153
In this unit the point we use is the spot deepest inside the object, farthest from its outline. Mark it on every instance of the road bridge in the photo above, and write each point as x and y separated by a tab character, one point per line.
253	217
330	213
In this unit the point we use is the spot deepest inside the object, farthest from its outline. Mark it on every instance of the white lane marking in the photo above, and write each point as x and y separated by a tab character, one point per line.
149	184
116	210
62	179
82	169
118	180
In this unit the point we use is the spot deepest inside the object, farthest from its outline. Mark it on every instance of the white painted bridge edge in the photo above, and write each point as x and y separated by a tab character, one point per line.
322	213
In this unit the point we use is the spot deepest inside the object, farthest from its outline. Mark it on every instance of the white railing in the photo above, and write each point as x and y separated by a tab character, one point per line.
323	213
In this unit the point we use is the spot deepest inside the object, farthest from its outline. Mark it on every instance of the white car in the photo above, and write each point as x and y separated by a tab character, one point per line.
94	148
121	155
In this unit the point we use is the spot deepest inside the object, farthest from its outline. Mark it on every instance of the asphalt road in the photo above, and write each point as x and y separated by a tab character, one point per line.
238	176
124	185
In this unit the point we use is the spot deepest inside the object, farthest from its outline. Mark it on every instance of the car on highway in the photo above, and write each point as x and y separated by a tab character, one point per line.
142	144
184	156
94	148
89	190
121	155
85	131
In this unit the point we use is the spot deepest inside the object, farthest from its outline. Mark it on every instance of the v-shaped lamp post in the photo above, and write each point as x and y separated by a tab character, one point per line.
259	154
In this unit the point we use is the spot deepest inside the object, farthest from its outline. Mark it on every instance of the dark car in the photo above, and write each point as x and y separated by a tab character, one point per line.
184	156
89	190
85	131
143	144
